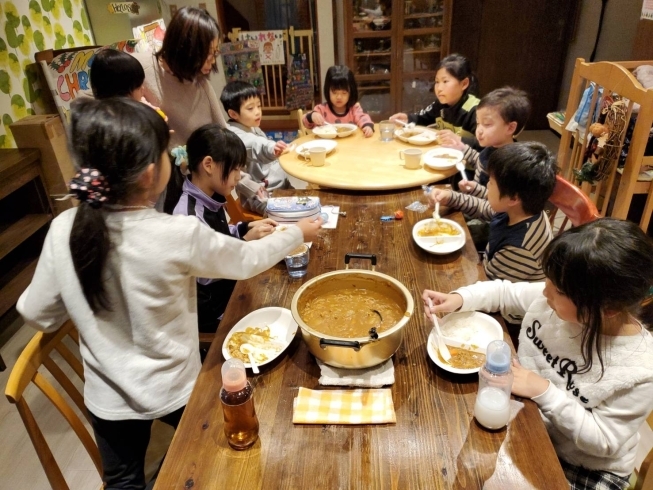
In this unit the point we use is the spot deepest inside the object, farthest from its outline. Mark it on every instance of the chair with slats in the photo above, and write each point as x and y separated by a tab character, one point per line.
37	354
237	212
577	208
303	131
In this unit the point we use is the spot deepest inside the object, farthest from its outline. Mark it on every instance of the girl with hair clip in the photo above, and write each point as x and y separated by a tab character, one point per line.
341	106
585	357
211	162
454	111
125	274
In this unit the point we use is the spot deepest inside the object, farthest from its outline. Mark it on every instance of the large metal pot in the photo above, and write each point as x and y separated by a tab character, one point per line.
354	353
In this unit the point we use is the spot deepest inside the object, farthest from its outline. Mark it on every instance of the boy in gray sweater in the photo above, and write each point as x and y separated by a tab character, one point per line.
242	102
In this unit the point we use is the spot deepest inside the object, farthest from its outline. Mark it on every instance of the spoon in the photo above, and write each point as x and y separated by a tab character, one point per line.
460	166
406	125
248	349
436	213
442	347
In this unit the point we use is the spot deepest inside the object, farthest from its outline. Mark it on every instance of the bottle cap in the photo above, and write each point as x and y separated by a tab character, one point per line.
498	357
233	375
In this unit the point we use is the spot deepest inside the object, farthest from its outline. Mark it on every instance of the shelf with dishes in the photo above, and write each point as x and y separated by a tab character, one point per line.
372	77
368	54
372	34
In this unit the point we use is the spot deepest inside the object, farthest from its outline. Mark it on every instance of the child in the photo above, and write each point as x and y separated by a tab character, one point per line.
341	106
243	105
522	178
118	74
454	113
125	275
584	356
214	158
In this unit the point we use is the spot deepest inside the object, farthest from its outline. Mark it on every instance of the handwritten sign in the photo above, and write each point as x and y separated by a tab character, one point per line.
123	7
269	44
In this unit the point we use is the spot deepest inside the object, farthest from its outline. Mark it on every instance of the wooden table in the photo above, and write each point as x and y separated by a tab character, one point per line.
360	163
435	444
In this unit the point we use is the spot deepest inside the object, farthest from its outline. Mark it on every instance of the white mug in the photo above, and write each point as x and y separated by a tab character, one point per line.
316	154
413	157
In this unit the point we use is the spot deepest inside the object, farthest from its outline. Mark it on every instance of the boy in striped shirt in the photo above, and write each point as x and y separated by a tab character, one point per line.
521	179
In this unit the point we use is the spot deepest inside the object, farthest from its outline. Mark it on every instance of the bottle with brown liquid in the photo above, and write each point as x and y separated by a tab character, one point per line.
240	421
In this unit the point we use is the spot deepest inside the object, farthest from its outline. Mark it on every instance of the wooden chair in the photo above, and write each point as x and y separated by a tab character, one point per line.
574	204
303	131
36	355
237	212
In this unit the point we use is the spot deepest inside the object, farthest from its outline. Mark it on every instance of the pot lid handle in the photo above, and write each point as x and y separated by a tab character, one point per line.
352	255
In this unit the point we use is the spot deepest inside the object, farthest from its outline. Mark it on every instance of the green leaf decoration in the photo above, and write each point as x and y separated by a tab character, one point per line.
25	21
39	40
3	138
14	65
5	82
68	8
6	119
3	45
87	40
18	101
60	42
34	6
84	19
71	41
13	39
47	5
12	18
77	26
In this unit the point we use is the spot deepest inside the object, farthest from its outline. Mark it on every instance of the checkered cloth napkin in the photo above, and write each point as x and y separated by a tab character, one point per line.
344	407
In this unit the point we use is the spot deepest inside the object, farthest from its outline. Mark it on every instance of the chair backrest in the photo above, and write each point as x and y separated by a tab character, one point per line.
237	212
573	203
302	129
26	371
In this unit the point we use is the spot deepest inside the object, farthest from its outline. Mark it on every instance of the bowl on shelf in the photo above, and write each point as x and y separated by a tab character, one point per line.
380	23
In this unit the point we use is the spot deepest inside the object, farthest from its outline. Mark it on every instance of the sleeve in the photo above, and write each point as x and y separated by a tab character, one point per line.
41	304
247	186
604	430
426	116
469	125
240	230
261	148
215	255
361	118
473	158
308	120
511	298
471	206
514	264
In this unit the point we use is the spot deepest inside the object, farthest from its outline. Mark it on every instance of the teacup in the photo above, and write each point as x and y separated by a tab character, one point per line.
316	154
413	158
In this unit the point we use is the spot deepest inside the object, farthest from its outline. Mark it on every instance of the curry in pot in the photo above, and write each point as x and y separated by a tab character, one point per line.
351	312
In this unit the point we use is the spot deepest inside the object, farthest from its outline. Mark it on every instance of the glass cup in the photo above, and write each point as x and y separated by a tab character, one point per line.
413	158
387	129
297	261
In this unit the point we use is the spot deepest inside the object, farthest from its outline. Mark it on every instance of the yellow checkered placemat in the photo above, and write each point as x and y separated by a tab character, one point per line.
362	406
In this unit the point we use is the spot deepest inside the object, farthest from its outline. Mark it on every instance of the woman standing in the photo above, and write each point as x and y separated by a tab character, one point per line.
177	76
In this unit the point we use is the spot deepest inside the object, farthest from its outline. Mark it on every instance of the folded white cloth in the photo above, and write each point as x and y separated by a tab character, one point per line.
373	377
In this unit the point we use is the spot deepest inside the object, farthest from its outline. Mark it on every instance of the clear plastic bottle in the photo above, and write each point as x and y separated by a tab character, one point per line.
236	395
492	408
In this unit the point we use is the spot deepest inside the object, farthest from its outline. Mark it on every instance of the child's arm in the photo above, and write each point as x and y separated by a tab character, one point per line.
40	304
426	116
514	264
314	118
363	120
470	205
261	149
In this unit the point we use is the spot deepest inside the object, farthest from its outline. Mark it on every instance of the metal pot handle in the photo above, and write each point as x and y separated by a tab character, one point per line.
351	255
340	343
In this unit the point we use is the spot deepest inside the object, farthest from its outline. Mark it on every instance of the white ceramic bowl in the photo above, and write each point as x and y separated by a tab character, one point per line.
326	131
418	135
304	147
442	158
430	243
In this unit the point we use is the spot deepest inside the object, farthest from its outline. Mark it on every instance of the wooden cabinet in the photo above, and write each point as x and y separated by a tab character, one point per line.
393	48
25	212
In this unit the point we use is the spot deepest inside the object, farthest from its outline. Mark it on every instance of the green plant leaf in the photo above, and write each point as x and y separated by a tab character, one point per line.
5	82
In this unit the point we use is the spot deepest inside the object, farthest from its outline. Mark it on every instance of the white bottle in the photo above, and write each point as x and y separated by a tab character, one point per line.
492	408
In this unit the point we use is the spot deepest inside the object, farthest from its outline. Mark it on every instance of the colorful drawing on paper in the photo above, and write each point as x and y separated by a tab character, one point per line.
152	34
647	10
242	62
269	44
299	88
123	8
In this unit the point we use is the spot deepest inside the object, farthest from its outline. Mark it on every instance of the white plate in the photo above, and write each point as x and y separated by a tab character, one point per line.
330	145
488	330
323	132
433	158
282	328
448	246
417	139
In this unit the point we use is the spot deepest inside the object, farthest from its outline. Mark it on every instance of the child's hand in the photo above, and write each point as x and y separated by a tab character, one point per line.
317	118
309	228
263	222
449	139
256	232
367	131
467	186
400	116
441	302
439	195
279	146
527	384
262	194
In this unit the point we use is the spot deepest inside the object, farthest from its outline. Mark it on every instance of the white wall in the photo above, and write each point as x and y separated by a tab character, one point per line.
617	36
325	43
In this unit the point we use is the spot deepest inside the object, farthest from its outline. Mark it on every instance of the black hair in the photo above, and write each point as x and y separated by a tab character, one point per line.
236	93
605	266
512	105
222	145
340	77
115	74
119	137
524	170
460	68
187	42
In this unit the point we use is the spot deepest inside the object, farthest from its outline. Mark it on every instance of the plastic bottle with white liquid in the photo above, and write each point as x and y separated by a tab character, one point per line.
492	408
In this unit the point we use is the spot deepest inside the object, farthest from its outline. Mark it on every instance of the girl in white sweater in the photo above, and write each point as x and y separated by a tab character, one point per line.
126	275
584	356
